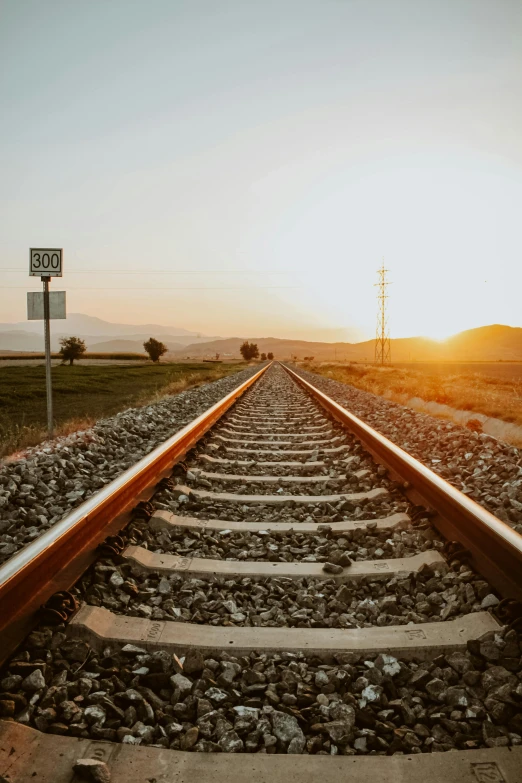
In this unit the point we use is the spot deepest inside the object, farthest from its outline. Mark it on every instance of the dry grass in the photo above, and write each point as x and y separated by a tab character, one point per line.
118	356
500	398
22	437
188	381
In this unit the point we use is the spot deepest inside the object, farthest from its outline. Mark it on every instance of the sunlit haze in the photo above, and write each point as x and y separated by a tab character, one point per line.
253	163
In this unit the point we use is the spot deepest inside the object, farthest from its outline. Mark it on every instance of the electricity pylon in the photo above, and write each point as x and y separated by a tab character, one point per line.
382	337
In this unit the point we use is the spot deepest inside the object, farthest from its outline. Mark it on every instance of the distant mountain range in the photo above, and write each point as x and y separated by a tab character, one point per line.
486	343
98	334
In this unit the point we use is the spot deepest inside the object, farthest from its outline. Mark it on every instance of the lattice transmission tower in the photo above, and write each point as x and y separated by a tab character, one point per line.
382	337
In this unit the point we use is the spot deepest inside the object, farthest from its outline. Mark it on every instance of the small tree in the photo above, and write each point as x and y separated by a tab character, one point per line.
72	348
244	350
155	349
249	351
263	357
270	356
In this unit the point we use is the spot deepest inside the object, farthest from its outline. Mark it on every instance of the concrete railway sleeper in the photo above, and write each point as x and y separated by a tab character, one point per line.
286	591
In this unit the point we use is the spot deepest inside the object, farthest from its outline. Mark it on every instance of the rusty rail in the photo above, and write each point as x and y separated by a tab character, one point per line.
55	560
495	548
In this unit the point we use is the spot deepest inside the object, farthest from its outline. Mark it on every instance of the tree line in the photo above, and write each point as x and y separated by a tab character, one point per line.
73	347
250	351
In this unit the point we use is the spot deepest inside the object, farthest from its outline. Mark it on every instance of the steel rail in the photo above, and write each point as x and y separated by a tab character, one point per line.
495	548
56	559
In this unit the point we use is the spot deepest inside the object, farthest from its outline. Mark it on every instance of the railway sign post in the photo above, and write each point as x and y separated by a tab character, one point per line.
46	263
35	305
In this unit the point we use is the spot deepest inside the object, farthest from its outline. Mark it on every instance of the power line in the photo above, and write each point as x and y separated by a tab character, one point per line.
164	271
164	288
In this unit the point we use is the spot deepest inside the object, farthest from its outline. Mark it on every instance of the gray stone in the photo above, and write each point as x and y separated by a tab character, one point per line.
246	712
11	682
388	664
164	586
116	580
457	697
133	696
229	673
217	695
321	678
338	731
92	770
496	676
34	681
459	661
131	649
297	744
285	727
230	742
436	689
181	682
194	662
332	568
95	714
490	650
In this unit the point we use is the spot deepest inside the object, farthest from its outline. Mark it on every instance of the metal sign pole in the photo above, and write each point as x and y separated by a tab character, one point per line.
46	262
47	332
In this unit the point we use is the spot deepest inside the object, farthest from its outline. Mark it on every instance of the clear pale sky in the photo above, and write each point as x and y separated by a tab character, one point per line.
282	148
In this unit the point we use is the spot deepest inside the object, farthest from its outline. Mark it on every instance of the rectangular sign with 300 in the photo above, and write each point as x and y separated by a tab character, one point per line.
45	262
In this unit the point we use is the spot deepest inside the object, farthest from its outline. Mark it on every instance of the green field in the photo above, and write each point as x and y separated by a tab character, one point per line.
83	394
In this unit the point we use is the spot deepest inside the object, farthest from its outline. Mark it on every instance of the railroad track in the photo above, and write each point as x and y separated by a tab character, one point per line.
277	580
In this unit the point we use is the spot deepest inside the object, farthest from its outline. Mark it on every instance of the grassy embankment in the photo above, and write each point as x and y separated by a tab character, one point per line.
498	397
82	395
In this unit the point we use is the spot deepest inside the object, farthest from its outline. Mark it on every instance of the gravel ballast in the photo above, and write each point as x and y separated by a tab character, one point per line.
50	480
283	703
427	596
288	547
477	464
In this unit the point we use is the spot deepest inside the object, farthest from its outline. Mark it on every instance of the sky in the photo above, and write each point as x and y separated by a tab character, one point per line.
243	168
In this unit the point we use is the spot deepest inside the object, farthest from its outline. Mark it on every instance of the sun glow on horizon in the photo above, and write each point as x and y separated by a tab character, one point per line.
439	334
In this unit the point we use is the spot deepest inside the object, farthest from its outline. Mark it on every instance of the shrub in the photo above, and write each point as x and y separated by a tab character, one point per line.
72	348
155	349
249	351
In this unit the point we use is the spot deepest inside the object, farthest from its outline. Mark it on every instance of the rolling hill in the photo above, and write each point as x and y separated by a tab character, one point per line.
486	343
